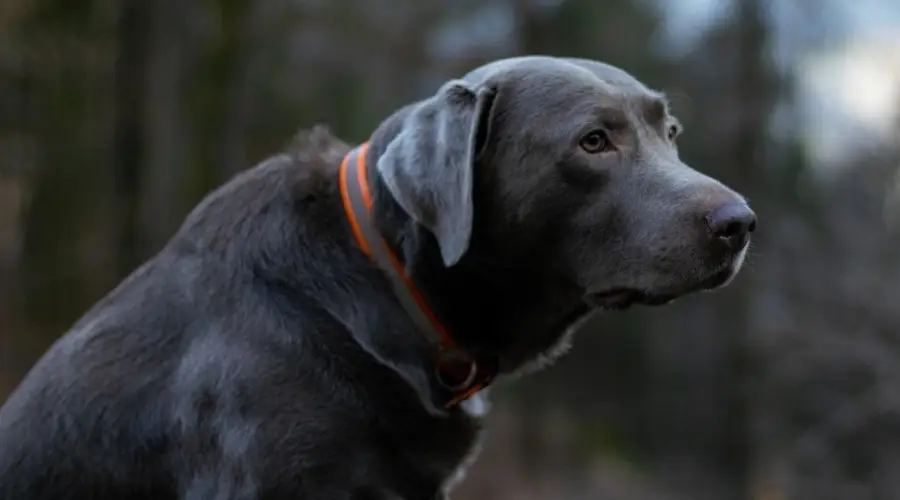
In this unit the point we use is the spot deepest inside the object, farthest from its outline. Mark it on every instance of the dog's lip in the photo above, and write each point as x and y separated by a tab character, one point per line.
622	298
619	298
717	279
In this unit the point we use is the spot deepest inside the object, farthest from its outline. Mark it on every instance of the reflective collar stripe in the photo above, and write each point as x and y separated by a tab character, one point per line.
358	205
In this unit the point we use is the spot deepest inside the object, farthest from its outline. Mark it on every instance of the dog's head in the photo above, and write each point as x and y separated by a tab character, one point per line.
569	167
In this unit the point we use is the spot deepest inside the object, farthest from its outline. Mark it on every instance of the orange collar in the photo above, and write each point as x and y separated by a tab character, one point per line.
455	370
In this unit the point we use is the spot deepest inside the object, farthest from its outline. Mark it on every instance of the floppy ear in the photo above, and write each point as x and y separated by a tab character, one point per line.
429	166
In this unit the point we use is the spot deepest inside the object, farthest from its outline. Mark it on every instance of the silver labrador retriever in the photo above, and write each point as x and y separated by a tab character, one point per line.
321	326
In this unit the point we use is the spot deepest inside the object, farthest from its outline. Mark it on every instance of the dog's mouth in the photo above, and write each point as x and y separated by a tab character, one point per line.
619	298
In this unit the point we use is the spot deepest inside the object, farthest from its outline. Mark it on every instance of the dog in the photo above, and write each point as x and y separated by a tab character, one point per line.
327	323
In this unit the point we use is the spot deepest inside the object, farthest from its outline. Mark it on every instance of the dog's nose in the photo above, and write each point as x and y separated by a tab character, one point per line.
732	223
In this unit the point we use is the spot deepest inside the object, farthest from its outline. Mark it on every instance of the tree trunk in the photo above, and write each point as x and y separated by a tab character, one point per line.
752	85
164	121
132	34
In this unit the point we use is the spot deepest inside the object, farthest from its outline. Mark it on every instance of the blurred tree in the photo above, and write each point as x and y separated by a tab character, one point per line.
117	116
64	82
133	45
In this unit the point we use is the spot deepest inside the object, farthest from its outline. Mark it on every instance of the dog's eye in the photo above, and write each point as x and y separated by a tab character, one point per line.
595	142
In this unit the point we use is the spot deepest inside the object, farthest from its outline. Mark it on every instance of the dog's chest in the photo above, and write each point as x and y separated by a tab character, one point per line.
455	444
476	409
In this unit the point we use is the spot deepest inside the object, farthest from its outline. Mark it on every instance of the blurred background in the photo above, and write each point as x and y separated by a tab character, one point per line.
117	116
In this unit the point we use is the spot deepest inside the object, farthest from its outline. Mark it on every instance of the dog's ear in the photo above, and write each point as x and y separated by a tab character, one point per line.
429	166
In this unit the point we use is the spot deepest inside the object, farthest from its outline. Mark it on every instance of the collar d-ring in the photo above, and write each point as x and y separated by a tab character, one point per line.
455	370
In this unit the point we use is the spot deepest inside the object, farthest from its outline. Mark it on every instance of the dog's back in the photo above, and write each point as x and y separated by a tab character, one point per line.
134	399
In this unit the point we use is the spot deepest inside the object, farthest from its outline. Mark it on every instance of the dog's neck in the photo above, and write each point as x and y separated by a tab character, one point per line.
491	308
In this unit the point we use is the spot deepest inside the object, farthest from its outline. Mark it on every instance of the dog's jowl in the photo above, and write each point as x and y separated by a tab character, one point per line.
324	325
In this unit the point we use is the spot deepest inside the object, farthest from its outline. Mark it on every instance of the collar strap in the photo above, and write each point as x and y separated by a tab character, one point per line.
455	370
